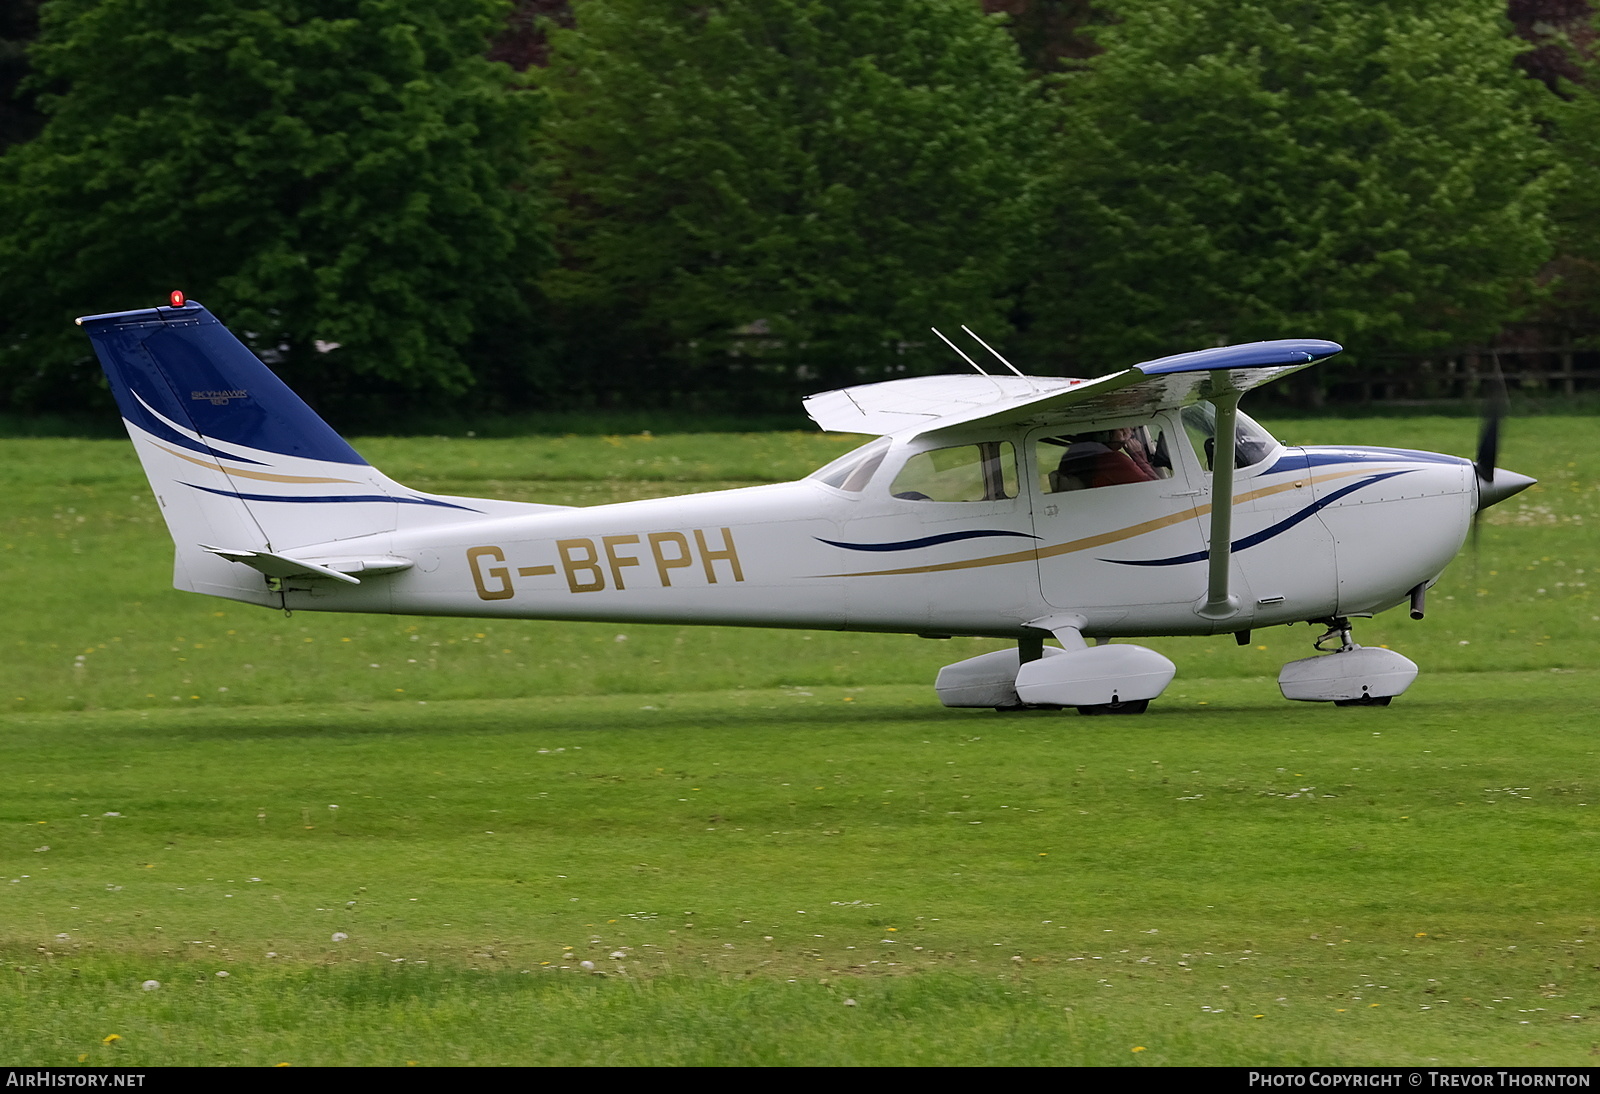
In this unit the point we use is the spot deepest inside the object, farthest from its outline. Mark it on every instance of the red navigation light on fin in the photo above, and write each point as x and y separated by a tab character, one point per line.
177	298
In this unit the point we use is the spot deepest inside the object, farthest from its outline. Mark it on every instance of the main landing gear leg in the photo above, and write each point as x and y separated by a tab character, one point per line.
1099	679
1346	675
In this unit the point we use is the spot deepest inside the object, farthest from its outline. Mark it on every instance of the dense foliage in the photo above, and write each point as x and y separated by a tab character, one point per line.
19	26
1577	204
796	183
723	204
1235	170
333	173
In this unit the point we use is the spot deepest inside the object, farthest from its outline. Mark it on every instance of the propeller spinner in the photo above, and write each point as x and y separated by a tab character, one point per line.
1495	484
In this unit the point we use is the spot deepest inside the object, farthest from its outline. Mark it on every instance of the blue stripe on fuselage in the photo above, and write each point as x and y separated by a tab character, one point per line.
1266	533
926	541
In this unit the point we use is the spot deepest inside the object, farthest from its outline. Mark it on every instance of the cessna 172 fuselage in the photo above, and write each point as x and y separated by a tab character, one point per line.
1007	506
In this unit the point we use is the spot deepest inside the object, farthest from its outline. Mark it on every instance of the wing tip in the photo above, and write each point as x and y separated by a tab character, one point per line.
1278	352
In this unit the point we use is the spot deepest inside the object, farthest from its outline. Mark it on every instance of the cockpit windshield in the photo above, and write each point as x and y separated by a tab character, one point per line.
852	471
1251	443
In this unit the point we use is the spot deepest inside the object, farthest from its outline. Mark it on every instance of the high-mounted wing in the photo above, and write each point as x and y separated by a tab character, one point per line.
925	404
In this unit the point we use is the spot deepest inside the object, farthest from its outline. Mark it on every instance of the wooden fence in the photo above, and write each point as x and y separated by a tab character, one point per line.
1469	374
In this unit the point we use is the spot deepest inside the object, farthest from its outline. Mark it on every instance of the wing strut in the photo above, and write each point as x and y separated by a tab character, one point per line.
964	357
1220	604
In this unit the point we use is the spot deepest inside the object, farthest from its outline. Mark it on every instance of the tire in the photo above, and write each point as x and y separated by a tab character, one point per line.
1133	706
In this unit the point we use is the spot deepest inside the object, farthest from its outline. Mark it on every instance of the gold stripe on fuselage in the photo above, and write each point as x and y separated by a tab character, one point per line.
1103	538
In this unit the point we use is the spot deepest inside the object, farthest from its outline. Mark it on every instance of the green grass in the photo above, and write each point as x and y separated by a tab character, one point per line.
989	889
767	825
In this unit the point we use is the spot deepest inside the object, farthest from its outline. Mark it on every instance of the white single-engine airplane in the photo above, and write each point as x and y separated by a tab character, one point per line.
1008	506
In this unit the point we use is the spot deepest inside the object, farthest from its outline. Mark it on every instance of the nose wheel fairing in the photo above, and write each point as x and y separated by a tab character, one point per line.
1350	675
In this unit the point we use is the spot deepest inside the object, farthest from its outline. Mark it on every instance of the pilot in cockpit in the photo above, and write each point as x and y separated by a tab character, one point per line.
1108	457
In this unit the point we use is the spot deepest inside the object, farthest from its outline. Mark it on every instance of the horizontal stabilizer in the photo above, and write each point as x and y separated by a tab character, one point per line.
339	568
924	404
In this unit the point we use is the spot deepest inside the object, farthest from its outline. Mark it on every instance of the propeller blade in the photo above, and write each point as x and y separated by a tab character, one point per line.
1494	412
1489	443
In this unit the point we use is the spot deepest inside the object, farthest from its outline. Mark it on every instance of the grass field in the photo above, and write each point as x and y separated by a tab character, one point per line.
775	847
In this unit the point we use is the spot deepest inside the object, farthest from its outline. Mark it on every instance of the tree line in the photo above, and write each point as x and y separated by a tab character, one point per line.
636	204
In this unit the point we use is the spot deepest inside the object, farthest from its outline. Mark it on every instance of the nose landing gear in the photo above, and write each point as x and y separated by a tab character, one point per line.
1338	627
1349	675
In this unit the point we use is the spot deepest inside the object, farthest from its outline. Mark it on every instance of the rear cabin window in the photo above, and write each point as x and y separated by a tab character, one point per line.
969	472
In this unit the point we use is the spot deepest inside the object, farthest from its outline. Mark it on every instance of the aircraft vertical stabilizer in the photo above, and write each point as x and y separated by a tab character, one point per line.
236	459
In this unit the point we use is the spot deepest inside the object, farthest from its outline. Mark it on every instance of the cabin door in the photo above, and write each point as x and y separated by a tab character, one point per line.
1113	509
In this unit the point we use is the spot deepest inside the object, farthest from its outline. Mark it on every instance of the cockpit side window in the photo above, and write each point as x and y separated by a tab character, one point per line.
1103	457
970	472
1252	444
852	471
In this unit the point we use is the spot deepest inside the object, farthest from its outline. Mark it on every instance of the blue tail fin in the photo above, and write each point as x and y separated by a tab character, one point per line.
181	366
255	487
242	468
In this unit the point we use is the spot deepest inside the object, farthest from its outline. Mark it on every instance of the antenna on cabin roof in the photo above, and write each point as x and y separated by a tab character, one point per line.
957	348
992	350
